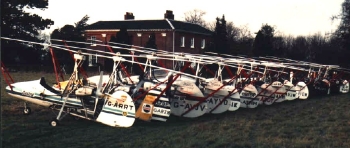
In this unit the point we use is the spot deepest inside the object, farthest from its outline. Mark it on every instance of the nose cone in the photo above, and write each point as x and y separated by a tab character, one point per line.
8	88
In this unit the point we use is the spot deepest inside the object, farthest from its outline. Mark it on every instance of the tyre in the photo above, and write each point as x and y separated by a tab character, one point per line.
54	122
27	111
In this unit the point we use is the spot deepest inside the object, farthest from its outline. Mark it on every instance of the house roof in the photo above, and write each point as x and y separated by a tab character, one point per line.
164	24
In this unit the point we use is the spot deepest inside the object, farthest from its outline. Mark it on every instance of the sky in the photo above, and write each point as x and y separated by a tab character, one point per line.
290	17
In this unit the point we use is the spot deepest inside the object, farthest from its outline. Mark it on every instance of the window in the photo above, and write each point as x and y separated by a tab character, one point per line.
192	43
203	44
93	40
182	43
92	60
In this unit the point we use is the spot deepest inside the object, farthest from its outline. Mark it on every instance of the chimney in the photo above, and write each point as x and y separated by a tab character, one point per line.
169	15
129	16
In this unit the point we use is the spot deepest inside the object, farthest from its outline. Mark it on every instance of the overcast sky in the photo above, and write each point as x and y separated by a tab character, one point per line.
294	17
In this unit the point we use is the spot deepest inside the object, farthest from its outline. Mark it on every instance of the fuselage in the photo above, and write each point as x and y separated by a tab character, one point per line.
34	92
105	110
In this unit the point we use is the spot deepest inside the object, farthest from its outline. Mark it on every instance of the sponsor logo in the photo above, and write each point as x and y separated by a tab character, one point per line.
125	113
187	84
215	83
321	88
122	99
162	103
248	94
29	94
146	108
179	97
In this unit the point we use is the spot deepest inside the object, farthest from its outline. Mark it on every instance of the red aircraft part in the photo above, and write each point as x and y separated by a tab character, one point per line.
6	75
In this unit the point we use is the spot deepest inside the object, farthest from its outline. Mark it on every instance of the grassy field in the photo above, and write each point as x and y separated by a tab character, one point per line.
315	122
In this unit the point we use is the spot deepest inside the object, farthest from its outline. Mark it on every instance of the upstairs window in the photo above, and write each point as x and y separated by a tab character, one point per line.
203	44
93	40
92	60
182	43
192	43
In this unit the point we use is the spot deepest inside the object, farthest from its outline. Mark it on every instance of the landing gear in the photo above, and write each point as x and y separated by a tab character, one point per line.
62	113
26	110
54	122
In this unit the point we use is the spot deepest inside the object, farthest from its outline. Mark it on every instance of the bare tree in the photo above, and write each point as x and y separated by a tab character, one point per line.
343	31
232	32
211	25
196	16
317	42
278	46
244	33
241	33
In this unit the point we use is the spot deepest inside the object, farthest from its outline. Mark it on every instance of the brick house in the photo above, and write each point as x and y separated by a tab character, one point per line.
171	35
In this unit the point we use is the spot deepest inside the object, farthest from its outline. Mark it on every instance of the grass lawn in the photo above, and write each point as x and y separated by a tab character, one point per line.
315	122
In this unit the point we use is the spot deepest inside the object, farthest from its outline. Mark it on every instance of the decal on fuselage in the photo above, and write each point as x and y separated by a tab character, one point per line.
29	94
248	94
146	108
162	103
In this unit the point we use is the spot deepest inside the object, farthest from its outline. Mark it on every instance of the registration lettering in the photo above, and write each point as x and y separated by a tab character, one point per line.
189	106
199	107
176	104
234	104
250	102
120	105
161	111
214	100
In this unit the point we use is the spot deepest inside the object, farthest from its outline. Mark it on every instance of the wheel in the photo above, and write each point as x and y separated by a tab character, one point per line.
27	111
54	122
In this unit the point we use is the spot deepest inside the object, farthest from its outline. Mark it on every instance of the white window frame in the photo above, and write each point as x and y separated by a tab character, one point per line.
192	43
203	44
93	40
182	41
92	60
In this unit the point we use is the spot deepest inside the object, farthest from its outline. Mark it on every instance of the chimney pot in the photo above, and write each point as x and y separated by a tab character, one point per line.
169	15
129	16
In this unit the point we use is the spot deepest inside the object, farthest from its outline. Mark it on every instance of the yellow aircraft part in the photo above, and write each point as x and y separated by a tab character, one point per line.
64	84
144	112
